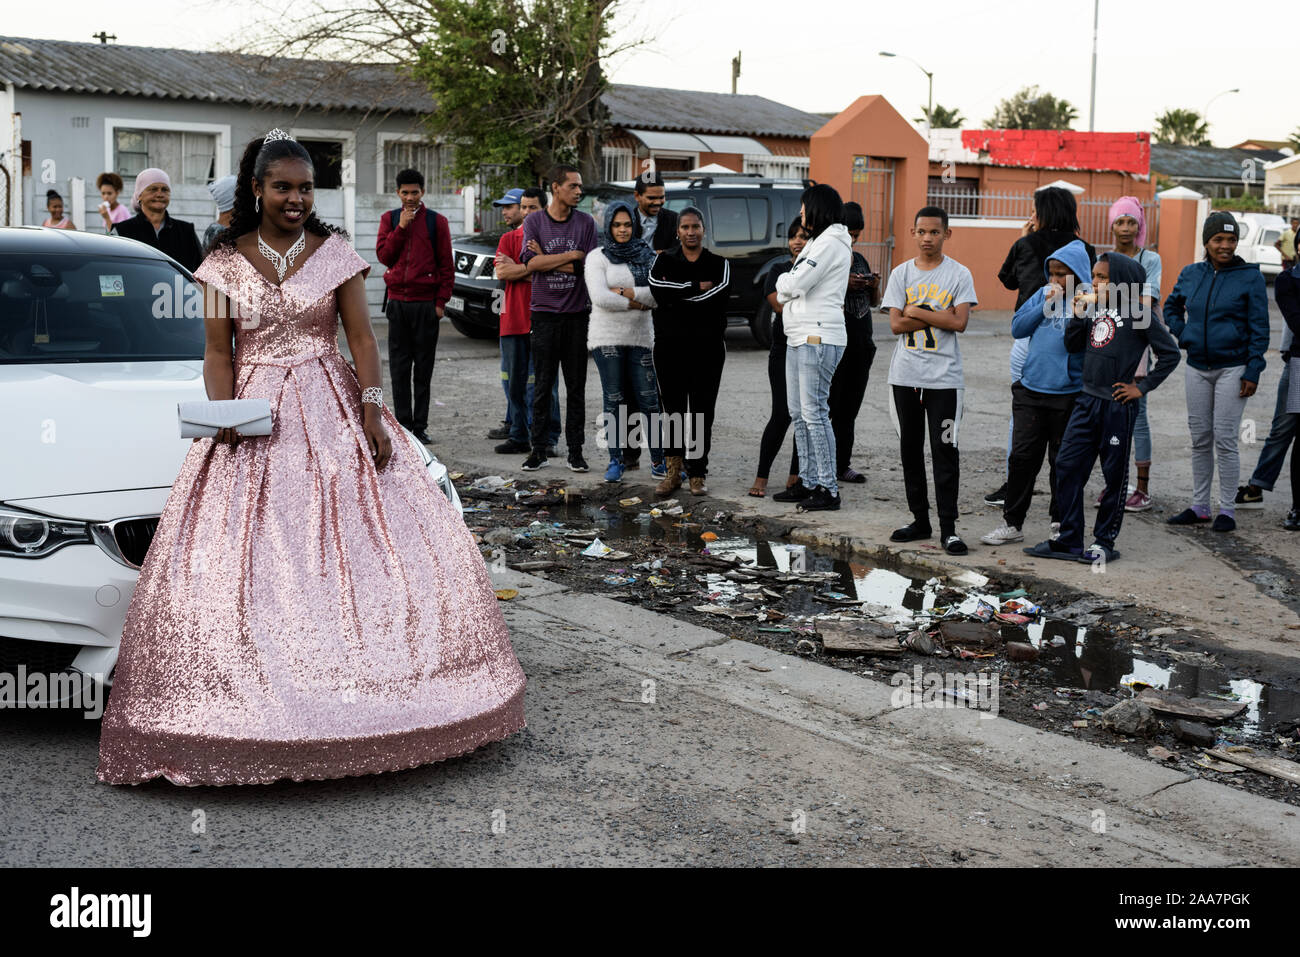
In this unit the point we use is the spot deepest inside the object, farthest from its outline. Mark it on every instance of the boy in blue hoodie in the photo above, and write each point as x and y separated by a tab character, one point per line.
1043	397
1113	328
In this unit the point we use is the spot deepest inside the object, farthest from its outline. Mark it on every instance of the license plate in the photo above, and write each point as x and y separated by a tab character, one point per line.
457	303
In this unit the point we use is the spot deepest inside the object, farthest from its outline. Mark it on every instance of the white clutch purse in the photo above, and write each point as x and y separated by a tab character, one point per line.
203	419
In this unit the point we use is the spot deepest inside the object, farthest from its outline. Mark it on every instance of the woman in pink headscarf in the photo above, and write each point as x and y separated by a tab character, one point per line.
1128	226
153	225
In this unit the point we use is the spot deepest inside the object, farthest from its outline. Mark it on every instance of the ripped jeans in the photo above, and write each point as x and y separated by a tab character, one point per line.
623	369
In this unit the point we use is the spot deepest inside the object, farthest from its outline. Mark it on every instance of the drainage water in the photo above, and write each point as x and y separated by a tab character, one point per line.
1071	655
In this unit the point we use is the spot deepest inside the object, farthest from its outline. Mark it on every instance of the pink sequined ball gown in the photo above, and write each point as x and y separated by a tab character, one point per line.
301	614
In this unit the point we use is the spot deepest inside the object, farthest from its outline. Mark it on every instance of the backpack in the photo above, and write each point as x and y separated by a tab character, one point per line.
430	222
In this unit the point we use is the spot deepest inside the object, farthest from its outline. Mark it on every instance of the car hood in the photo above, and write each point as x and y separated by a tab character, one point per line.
80	427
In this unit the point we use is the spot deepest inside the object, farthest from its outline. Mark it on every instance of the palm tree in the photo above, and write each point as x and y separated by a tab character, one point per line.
1294	139
1031	110
942	118
1182	128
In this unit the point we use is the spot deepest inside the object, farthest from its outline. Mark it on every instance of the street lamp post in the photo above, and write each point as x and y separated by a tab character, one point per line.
1205	113
929	100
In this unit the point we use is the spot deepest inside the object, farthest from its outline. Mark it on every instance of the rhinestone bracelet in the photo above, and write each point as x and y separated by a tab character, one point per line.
374	395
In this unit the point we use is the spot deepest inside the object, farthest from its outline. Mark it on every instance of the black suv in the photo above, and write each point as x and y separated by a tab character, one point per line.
745	220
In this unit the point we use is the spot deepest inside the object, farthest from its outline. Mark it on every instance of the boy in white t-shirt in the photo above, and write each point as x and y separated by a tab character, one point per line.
929	299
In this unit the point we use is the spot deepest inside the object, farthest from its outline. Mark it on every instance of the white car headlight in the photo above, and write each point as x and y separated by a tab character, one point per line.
29	535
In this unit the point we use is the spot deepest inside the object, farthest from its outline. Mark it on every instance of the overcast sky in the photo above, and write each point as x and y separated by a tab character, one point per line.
820	55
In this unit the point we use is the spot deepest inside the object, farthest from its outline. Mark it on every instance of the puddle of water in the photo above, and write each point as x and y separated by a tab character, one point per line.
1072	656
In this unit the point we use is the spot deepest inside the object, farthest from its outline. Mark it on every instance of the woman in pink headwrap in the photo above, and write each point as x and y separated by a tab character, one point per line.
153	225
1128	225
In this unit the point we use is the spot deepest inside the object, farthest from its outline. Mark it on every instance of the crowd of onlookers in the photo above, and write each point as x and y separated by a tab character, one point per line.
644	297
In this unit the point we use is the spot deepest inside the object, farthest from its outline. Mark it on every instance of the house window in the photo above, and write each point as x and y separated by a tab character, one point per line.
326	162
432	160
960	197
778	167
192	155
617	164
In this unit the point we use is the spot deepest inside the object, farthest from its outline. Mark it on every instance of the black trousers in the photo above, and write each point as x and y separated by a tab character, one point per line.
412	349
848	386
559	342
778	423
940	410
1039	425
690	374
1098	428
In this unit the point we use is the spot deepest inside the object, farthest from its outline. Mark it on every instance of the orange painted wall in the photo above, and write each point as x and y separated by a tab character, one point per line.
733	161
871	126
982	250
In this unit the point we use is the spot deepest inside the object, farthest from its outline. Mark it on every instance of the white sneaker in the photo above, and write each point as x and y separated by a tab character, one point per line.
1055	532
1003	535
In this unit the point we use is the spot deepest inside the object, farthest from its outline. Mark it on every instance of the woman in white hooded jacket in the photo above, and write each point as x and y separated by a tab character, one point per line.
813	294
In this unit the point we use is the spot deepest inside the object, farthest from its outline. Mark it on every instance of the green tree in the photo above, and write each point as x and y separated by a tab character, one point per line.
942	118
1181	128
1029	109
1294	139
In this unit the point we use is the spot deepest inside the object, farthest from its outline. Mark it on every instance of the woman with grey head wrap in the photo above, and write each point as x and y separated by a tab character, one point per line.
223	194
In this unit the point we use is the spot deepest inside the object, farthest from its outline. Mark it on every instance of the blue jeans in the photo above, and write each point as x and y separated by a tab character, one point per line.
808	372
1142	435
517	363
1279	438
622	369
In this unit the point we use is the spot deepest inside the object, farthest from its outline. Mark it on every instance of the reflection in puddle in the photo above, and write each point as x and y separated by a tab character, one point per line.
1071	656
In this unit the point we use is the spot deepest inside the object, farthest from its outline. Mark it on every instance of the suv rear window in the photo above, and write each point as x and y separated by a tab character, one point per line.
739	219
79	308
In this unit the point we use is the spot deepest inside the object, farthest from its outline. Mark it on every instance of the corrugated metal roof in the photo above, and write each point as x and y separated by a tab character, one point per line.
1208	162
698	111
168	73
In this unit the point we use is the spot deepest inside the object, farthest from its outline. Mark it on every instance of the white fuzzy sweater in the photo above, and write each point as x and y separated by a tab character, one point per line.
613	320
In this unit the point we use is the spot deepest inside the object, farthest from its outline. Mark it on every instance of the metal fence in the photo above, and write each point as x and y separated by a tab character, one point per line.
1094	228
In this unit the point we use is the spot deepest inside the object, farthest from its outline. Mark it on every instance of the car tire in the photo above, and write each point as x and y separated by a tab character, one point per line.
761	325
471	330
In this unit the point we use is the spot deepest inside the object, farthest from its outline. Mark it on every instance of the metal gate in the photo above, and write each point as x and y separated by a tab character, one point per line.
873	190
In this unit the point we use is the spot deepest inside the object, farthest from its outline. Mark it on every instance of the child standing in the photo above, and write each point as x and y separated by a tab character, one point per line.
54	206
1128	225
929	299
1113	328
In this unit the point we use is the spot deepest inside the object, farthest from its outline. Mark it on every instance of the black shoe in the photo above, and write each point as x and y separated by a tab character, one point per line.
552	452
953	545
1292	521
998	498
1224	523
911	532
795	493
510	446
501	433
577	463
423	436
1249	496
534	462
1187	516
821	500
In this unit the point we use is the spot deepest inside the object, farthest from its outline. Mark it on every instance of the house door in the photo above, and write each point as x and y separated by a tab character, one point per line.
873	190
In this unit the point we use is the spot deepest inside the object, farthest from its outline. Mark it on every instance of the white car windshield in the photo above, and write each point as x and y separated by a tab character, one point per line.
96	308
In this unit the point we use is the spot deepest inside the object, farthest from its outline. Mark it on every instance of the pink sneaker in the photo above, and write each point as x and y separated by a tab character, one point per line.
1137	502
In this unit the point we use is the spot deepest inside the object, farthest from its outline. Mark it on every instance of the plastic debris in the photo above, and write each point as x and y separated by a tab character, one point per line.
629	502
709	537
618	580
1013	619
1161	754
597	549
505	594
725	612
490	483
1015	593
805	647
774	629
1082	723
983	611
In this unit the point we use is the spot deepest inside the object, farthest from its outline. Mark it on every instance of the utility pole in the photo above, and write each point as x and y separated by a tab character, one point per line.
1092	94
735	71
103	36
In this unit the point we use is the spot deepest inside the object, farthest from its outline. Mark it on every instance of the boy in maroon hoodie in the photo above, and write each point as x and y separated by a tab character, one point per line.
415	246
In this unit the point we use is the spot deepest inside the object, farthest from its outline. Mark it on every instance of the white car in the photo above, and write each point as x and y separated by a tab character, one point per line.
1259	231
89	381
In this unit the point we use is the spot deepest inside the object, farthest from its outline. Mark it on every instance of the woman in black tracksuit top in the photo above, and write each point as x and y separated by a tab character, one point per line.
690	285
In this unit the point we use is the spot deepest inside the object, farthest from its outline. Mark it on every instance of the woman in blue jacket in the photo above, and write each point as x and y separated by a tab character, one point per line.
1218	312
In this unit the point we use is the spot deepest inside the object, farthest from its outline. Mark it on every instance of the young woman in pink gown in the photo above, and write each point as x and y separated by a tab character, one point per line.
312	606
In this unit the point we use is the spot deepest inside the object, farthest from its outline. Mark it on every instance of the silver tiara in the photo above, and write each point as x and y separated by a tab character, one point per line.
276	134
